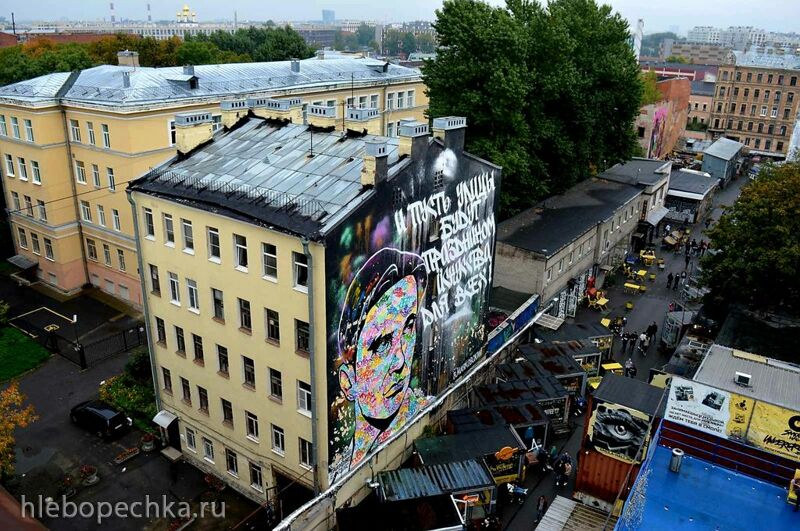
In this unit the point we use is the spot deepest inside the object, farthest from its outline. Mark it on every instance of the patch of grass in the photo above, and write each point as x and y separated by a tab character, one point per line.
7	268
18	353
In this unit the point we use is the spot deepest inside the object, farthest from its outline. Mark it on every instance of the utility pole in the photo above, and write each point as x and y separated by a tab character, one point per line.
13	25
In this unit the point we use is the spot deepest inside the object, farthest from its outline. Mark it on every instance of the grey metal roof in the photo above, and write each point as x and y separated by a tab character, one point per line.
263	171
724	149
702	88
568	515
631	393
463	446
691	181
772	381
104	85
422	482
783	61
555	222
638	171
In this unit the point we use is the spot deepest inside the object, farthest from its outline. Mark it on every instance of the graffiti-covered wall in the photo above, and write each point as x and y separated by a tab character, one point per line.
409	275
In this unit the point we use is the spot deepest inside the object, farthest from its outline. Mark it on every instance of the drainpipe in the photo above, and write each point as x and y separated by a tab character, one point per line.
312	360
147	325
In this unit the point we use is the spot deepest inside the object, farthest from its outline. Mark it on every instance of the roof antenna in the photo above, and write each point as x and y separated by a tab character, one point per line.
311	130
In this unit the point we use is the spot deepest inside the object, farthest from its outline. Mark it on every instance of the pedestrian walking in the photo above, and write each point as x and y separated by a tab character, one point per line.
541	508
687	247
703	247
644	343
628	366
669	280
652	330
667	230
688	259
631	342
694	247
624	343
708	223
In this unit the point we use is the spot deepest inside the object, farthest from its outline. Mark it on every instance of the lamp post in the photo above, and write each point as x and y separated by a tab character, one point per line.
78	346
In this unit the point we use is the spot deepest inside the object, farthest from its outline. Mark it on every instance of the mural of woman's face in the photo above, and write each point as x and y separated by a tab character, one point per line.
385	351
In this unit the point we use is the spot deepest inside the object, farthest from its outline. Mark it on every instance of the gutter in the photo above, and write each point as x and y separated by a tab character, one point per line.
145	306
312	360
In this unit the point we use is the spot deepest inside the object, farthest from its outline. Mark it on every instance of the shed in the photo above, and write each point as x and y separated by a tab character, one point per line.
433	480
689	194
631	393
566	361
528	420
545	390
720	159
568	515
594	332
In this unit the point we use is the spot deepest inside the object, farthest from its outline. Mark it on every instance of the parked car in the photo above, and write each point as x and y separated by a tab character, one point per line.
100	418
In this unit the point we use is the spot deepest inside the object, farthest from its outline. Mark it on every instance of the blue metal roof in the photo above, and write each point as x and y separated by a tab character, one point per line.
422	482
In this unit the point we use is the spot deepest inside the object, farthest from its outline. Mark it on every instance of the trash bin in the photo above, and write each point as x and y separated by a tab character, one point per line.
676	460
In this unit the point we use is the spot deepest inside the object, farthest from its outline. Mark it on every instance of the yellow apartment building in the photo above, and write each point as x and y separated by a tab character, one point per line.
70	143
308	290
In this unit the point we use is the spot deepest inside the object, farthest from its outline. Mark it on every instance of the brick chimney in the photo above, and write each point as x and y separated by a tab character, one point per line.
128	58
376	161
192	129
451	130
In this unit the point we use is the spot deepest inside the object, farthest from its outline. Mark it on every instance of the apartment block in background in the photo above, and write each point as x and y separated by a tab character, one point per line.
69	144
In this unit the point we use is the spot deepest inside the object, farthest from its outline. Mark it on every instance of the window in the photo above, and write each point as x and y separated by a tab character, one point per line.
37	174
251	423
410	98
275	384
172	133
216	122
779	146
112	182
245	322
181	340
305	452
272	325
725	75
121	259
240	251
774	113
742	109
303	397
107	254
300	271
167	377
767	144
9	165
188	236
96	176
256	480
783	130
302	336
746	93
561	264
227	412
174	288
738	76
752	110
739	125
80	172
28	206
786	113
390	102
766	95
278	439
149	225
401	99
23	169
23	239
793	81
106	136
789	97
362	102
208	450
42	210
719	109
373	101
749	126
771	129
15	126
763	110
86	211
231	462
28	130
91	249
191	443
161	331
756	93
115	219
222	358
759	78
186	390
549	275
390	129
101	215
777	96
249	369
213	244
769	78
194	299
35	243
219	306
197	342
722	90
749	77
757	144
270	258
15	199
202	399
3	125
169	230
75	130
90	129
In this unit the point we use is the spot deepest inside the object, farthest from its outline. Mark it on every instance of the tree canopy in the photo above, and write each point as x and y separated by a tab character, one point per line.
13	414
650	92
550	93
42	56
758	239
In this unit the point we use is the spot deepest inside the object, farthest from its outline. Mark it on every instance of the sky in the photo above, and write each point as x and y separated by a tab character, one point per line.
663	15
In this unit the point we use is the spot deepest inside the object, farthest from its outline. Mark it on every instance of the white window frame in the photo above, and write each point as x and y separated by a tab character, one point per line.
36	172
193	295
174	288
90	130
91	249
208	450
22	238
15	200
116	223
278	440
3	125
23	168
169	230
239	251
303	398
41	206
187	233
172	133
149	224
251	425
256	472
15	127
80	172
101	215
191	440
49	254
297	268
230	456
121	260
112	181
28	130
75	130
306	450
106	136
86	211
213	234
9	165
96	176
28	206
107	254
35	247
269	252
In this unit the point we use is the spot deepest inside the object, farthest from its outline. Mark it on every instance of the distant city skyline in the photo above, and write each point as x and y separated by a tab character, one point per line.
772	15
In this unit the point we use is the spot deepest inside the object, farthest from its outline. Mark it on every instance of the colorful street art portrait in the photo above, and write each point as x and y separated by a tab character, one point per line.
408	286
378	341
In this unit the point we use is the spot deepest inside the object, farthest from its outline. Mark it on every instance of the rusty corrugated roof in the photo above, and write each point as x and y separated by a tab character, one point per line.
569	515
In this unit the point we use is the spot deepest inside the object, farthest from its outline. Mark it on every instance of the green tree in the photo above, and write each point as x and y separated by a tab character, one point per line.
549	92
409	43
426	43
365	34
392	42
197	53
758	244
650	92
652	42
678	59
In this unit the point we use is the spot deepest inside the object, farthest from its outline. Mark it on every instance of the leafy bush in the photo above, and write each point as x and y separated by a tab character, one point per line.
4	308
134	398
138	366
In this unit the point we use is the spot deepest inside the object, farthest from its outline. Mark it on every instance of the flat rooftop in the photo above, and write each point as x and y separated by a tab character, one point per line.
703	497
261	171
690	182
638	171
557	221
724	148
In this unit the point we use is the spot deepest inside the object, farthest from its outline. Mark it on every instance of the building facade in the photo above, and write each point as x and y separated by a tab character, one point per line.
700	102
756	101
704	54
71	142
660	124
310	291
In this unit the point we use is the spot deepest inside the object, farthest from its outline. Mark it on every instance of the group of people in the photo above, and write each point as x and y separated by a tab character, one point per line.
632	341
676	281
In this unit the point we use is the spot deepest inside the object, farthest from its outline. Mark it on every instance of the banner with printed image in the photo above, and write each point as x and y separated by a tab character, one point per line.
618	432
708	409
776	430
